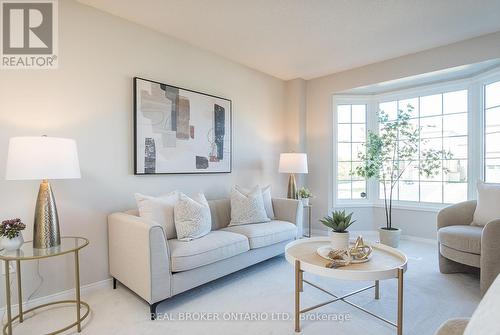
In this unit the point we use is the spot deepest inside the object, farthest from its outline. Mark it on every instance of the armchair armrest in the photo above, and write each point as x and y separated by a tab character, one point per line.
290	210
139	256
458	214
490	254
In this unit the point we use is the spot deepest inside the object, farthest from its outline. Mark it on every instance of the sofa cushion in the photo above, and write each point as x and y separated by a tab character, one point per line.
488	198
263	234
215	246
465	238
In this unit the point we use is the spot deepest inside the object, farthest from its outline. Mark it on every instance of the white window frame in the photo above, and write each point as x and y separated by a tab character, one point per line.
475	135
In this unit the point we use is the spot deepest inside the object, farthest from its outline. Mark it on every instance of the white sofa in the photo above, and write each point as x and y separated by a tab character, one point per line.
484	321
141	258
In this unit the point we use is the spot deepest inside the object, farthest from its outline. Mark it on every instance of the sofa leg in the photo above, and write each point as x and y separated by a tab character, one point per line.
114	283
152	310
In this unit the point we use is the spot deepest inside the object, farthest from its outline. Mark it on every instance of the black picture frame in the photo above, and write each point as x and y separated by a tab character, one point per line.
198	171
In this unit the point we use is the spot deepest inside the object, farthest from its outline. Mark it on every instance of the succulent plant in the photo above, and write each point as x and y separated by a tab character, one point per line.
11	228
339	221
304	193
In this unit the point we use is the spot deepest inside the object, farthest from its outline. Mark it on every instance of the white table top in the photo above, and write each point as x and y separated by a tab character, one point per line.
384	262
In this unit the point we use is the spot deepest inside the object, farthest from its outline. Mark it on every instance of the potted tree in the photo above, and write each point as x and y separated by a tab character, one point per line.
391	152
339	222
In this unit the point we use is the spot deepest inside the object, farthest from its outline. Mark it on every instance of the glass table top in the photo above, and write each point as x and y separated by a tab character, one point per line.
27	252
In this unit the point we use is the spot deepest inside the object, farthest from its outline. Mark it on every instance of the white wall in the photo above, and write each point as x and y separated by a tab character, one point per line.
89	98
319	120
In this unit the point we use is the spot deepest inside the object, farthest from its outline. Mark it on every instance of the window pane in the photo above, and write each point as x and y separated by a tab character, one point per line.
357	148
431	144
408	190
390	108
492	174
344	171
344	132
344	153
358	189
455	102
430	105
344	114
358	132
493	145
455	192
456	145
344	190
492	95
431	192
409	170
355	165
431	127
454	125
403	105
358	113
455	170
436	176
492	120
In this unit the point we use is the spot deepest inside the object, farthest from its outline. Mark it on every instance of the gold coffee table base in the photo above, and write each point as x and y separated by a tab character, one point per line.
74	324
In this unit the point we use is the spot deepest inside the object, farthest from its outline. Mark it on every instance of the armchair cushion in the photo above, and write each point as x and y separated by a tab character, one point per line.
263	234
488	198
215	246
462	238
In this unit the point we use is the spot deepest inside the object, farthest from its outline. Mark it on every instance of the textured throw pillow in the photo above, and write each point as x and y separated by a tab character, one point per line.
159	209
488	200
266	196
192	217
247	208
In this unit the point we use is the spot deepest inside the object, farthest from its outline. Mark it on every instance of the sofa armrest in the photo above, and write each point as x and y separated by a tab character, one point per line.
490	254
139	256
290	210
458	214
453	327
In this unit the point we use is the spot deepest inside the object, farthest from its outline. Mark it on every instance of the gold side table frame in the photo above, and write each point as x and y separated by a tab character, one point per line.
27	252
299	282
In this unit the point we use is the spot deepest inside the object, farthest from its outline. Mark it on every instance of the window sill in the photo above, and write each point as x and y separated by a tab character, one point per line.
418	207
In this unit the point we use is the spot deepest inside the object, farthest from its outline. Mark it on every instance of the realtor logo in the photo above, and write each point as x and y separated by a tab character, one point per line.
29	34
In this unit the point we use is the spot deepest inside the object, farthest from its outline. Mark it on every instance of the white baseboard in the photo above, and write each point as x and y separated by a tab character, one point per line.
321	232
63	295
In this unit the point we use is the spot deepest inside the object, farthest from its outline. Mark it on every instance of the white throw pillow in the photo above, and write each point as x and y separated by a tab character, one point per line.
266	196
488	203
247	208
160	210
192	217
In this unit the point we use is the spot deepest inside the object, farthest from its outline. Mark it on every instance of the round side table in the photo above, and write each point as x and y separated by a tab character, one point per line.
27	253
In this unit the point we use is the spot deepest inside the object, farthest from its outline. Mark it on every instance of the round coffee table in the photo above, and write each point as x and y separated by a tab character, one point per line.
385	263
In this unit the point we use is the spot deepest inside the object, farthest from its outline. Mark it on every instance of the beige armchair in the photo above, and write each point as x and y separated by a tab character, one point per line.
466	248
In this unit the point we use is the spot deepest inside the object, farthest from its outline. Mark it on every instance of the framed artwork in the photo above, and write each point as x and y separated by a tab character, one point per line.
177	130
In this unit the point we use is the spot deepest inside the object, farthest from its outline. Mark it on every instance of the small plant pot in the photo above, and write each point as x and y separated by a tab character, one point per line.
339	240
305	201
12	244
390	237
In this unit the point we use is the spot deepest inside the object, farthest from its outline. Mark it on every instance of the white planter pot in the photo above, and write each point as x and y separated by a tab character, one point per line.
305	201
390	237
339	240
11	244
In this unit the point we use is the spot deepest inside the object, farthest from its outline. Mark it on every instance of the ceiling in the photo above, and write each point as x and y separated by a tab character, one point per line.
311	38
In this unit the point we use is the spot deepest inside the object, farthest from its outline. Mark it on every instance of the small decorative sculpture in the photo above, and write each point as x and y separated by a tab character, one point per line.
360	250
339	257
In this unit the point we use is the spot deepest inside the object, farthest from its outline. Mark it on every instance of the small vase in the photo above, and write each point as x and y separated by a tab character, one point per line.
11	244
339	240
305	201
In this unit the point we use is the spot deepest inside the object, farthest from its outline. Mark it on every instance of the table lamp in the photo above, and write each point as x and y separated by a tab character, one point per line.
293	163
43	158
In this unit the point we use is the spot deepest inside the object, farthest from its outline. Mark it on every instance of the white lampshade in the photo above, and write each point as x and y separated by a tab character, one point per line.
293	163
42	158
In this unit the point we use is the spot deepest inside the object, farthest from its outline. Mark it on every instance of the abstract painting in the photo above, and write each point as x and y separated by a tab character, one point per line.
177	130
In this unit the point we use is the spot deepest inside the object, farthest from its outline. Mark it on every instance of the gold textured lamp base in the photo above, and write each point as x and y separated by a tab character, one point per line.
46	229
292	187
